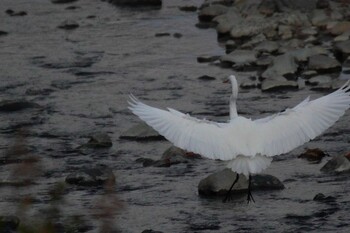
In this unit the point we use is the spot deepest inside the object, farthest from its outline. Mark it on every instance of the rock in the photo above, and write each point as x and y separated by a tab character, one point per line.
16	105
254	41
319	18
267	47
3	33
295	19
206	78
13	13
310	31
141	131
322	4
285	32
137	3
98	175
337	164
68	25
309	74
320	79
251	27
177	35
277	85
303	55
238	56
282	66
173	155
320	197
342	49
218	184
323	63
343	37
204	59
162	34
188	8
249	84
209	12
226	21
340	28
62	1
267	7
9	223
230	45
313	155
99	140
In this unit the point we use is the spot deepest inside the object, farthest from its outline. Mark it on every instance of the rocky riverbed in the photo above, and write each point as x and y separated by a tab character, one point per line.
69	158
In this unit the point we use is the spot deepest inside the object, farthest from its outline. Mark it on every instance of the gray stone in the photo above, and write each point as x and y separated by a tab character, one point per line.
303	55
252	26
277	85
239	56
323	63
342	49
68	25
16	105
98	175
319	18
141	131
254	41
99	140
337	164
264	60
285	32
283	65
219	183
340	28
226	21
230	45
320	79
267	46
208	13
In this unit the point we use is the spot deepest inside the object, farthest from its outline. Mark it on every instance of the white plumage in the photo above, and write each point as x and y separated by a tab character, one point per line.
247	144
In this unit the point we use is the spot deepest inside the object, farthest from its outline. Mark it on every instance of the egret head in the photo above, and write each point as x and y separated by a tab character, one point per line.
234	84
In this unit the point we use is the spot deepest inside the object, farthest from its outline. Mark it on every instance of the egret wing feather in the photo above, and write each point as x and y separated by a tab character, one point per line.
283	132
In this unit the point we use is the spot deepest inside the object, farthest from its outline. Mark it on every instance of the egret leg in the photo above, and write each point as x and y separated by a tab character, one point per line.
250	196
229	191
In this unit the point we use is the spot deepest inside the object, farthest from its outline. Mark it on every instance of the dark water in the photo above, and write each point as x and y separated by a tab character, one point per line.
82	77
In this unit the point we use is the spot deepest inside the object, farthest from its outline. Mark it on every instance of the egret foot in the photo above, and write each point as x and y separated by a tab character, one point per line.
250	196
228	194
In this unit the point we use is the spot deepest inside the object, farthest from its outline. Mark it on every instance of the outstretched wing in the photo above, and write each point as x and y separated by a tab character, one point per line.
281	133
207	138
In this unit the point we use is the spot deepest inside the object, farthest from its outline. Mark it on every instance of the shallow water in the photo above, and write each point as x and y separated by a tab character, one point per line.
83	78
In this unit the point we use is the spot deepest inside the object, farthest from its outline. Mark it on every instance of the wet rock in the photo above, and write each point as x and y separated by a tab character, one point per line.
309	74
254	41
204	59
230	45
264	61
14	13
254	26
177	35
226	22
238	56
267	7
303	55
249	84
141	131
322	198
320	79
98	175
68	25
285	32
343	37
208	13
99	140
282	66
340	28
219	183
323	63
16	105
267	47
313	155
171	156
206	78
337	164
162	34
188	8
3	33
9	223
319	18
137	3
342	49
62	1
278	85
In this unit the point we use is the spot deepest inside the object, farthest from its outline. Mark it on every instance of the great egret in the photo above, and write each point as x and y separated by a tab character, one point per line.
248	145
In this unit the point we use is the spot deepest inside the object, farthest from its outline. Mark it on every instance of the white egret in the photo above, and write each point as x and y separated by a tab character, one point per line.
248	145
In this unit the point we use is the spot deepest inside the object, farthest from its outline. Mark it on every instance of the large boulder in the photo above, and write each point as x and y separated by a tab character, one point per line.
219	183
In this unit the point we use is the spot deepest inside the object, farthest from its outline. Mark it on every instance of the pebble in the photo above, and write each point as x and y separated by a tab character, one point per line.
95	176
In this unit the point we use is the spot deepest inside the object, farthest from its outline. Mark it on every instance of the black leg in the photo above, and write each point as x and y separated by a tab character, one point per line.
229	191
250	196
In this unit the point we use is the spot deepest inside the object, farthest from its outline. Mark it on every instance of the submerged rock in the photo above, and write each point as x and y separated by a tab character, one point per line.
141	131
323	198
16	105
68	25
98	175
313	155
219	183
99	140
338	163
